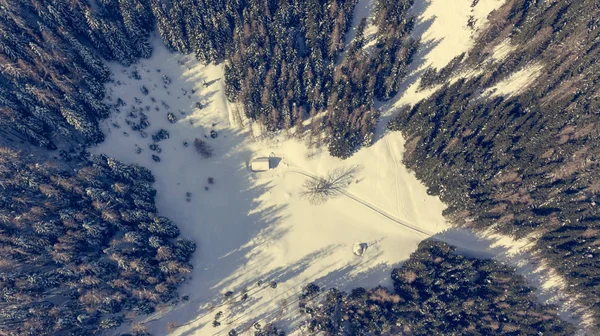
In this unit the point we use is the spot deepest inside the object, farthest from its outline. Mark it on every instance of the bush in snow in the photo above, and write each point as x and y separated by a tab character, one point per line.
203	148
160	135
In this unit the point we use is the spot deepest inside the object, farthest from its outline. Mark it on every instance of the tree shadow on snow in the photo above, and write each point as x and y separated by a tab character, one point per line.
285	304
215	201
390	108
232	227
415	69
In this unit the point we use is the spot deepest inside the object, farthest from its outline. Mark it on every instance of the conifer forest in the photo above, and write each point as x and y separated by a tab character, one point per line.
85	250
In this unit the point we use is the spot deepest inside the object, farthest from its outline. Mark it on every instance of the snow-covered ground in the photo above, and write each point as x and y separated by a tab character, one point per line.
255	228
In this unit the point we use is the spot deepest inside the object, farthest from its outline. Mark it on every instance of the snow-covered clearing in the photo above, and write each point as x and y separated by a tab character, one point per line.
502	50
256	228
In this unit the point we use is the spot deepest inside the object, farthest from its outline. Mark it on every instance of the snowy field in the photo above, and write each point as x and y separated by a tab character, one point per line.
254	227
256	235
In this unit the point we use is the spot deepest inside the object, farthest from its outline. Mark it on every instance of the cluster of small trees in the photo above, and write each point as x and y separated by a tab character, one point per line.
436	292
81	247
525	164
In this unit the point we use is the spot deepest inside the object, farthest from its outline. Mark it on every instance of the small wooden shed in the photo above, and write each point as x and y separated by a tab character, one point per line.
260	164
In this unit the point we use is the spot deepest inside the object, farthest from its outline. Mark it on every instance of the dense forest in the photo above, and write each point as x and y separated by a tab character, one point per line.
436	292
285	60
527	164
81	244
52	70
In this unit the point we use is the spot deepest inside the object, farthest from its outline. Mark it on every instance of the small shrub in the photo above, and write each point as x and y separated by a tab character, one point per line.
160	135
203	148
211	180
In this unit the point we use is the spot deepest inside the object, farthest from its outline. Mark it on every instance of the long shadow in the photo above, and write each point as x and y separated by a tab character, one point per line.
415	68
344	279
363	8
418	10
389	108
243	313
234	225
467	243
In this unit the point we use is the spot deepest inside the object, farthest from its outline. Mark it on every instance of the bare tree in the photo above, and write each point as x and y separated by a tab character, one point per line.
317	190
203	148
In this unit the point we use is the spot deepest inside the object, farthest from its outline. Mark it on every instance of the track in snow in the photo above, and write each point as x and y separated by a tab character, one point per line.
369	205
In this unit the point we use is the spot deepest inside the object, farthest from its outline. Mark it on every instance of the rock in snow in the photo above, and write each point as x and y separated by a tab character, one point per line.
359	248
